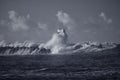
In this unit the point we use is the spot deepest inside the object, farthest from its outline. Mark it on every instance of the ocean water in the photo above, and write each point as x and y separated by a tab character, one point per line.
60	67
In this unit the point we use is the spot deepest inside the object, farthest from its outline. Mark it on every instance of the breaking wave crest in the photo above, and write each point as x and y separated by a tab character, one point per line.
58	44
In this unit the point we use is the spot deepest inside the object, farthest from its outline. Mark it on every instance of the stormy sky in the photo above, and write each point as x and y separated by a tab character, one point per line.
37	20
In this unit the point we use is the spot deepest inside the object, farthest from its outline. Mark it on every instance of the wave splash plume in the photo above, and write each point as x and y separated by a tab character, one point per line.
58	44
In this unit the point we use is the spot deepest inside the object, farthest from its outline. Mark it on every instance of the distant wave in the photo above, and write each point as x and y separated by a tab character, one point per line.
58	44
36	49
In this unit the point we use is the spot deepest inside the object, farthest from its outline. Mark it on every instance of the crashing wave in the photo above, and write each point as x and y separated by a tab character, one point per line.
58	44
58	41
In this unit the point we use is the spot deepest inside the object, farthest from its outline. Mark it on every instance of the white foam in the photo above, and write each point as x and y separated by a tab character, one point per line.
58	41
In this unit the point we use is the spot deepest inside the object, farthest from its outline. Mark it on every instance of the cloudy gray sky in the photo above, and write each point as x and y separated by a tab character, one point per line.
37	20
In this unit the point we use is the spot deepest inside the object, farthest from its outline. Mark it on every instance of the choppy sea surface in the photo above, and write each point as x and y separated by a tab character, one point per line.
60	67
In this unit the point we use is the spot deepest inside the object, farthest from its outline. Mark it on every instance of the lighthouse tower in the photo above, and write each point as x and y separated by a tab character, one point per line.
58	41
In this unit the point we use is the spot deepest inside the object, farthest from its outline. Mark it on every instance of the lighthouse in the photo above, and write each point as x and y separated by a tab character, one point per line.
58	41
